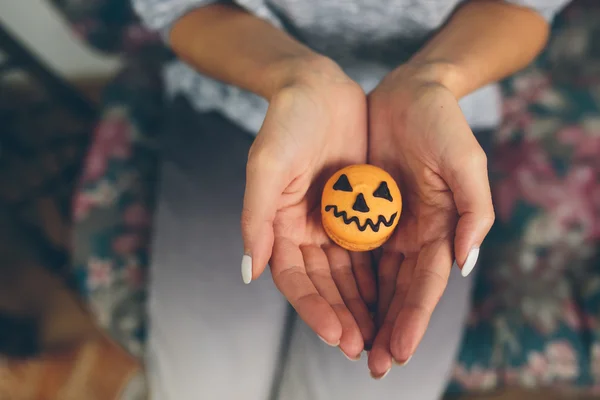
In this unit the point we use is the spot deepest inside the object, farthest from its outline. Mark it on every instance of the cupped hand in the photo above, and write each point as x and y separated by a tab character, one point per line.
418	134
315	125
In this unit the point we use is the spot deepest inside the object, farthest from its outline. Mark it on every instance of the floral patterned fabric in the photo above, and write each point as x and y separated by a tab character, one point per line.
536	304
112	210
113	207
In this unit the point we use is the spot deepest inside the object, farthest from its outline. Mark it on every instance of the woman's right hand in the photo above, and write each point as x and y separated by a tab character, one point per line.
315	124
419	134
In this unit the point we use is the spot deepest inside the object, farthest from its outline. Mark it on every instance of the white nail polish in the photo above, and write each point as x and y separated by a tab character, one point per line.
402	364
349	358
247	269
329	344
470	262
377	378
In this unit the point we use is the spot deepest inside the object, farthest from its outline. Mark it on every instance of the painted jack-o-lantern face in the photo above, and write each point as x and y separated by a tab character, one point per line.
360	207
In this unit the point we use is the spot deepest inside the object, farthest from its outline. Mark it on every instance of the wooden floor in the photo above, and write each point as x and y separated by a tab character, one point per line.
93	370
76	362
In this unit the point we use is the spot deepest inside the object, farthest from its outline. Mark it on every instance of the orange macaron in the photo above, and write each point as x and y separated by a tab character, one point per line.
360	207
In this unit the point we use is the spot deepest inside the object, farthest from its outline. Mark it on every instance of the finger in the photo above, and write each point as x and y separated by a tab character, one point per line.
364	272
427	285
290	277
266	180
376	255
341	271
319	272
387	272
466	174
380	358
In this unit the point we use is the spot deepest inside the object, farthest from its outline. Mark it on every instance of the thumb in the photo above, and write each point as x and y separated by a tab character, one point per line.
265	183
467	176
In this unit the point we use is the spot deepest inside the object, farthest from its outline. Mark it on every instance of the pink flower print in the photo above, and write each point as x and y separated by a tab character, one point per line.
513	105
544	314
572	316
527	155
572	201
513	123
537	365
137	216
114	135
596	194
570	135
134	274
82	204
100	273
557	363
506	195
96	163
476	379
529	86
515	163
524	122
569	200
596	362
127	243
584	138
102	195
562	360
537	190
505	131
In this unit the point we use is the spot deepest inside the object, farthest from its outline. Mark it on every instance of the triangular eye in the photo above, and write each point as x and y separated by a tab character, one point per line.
383	192
342	184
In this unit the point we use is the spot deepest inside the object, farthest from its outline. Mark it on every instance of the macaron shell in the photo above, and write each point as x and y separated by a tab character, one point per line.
353	230
357	247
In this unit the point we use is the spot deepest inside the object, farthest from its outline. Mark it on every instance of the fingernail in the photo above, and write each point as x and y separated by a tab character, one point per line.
247	269
377	378
350	358
402	364
470	262
329	344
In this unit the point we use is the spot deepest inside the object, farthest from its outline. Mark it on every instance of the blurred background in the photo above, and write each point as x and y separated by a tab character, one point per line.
80	106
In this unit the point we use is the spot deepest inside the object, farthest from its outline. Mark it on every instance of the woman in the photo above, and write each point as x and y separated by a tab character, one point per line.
297	73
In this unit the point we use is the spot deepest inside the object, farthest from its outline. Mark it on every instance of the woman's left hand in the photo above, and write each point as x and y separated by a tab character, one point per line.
417	133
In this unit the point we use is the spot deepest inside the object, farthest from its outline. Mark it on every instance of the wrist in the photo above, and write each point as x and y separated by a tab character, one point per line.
301	69
438	72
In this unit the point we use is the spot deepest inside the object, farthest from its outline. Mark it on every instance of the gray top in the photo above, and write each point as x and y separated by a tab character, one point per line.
368	38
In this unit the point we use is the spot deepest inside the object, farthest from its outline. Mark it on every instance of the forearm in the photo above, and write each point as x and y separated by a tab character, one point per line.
233	46
484	41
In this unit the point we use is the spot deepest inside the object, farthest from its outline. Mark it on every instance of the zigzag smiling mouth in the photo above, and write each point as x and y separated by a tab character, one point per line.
368	222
